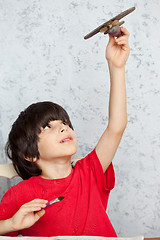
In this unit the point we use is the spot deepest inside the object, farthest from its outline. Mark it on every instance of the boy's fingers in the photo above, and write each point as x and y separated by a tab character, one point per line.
125	48
31	209
122	42
40	214
125	31
33	206
123	37
37	200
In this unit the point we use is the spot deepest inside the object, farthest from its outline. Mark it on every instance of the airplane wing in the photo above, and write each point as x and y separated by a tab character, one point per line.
106	24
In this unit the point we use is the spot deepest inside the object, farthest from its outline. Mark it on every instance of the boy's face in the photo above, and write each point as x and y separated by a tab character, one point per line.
56	140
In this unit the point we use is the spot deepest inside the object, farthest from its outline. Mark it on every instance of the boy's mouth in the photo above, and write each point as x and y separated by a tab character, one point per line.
66	139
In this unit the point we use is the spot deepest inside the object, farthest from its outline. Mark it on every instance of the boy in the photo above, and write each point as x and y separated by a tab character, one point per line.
41	144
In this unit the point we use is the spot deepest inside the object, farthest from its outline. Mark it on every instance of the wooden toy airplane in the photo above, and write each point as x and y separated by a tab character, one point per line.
112	26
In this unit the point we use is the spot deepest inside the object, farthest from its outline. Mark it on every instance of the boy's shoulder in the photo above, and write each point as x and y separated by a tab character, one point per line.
21	187
89	157
26	182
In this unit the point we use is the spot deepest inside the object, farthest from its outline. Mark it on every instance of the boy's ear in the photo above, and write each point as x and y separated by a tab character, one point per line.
31	159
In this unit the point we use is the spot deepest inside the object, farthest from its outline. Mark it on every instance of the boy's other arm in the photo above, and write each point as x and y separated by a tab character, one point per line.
117	52
25	217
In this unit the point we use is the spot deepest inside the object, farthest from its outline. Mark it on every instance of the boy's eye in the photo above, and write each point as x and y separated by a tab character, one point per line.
64	123
47	127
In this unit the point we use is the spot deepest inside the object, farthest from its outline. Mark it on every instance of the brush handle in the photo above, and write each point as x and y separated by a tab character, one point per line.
58	199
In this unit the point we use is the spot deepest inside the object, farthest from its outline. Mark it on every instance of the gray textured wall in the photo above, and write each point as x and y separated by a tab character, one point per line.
43	56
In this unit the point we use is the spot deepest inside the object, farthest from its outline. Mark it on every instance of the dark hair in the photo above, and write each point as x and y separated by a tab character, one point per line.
23	137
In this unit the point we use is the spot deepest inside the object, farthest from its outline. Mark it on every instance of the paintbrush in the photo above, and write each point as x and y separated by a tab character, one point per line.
58	199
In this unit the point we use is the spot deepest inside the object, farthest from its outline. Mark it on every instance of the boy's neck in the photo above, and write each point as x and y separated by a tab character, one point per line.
56	170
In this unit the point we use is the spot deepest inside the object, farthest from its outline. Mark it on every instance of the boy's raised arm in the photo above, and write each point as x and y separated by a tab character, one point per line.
117	52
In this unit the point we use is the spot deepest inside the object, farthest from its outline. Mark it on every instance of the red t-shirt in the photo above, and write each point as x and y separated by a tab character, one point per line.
81	212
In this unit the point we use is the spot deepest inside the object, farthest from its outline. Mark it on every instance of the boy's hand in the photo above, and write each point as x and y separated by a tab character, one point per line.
117	50
25	216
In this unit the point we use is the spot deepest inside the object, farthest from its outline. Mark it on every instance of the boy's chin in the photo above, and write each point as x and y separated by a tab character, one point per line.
72	152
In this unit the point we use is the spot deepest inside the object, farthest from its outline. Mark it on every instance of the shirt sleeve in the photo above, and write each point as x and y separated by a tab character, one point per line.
97	180
105	181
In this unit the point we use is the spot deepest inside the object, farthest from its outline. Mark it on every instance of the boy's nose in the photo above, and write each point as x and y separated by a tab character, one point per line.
64	128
